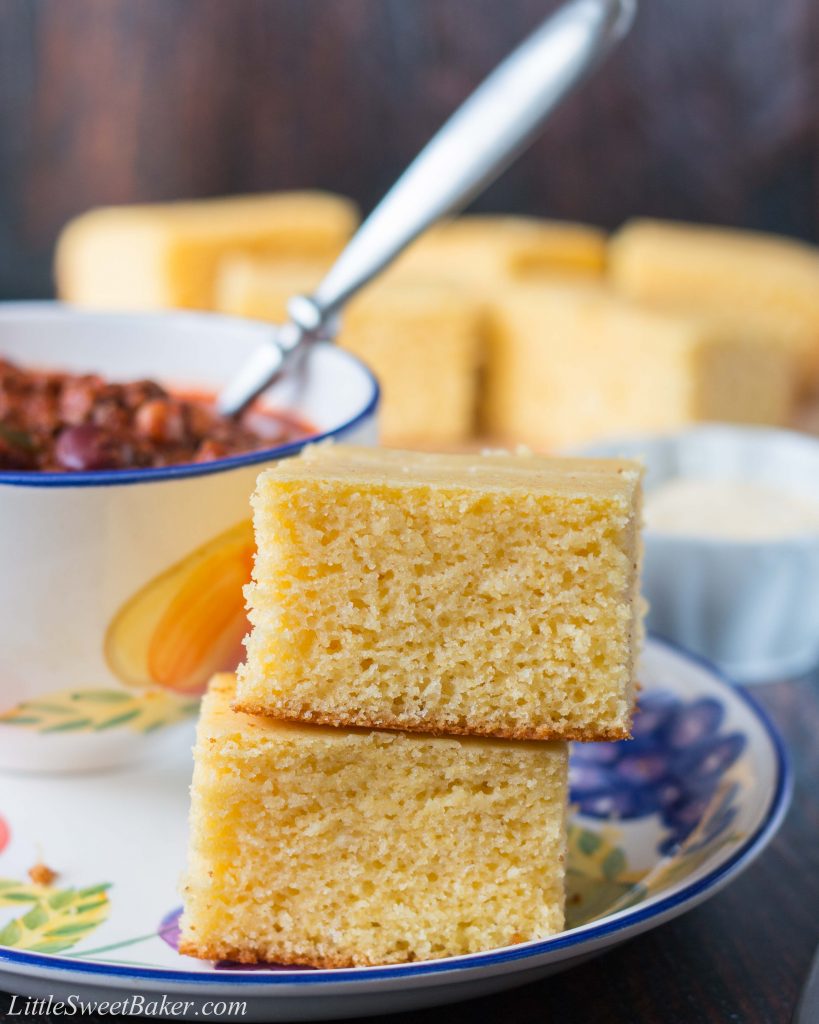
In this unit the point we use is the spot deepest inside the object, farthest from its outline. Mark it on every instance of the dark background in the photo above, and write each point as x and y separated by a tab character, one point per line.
709	112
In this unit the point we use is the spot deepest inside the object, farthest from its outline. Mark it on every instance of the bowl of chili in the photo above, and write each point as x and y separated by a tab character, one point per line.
125	539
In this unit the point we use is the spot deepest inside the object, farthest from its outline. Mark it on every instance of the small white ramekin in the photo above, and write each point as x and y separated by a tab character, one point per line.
751	607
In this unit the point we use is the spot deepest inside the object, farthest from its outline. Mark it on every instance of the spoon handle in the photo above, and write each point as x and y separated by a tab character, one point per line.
480	139
478	142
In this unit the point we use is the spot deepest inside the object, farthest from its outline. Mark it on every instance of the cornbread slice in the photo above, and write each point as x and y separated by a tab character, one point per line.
487	249
424	342
769	282
445	593
573	363
340	847
422	339
167	254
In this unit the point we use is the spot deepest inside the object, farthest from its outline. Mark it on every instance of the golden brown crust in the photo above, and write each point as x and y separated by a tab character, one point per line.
271	955
279	956
431	728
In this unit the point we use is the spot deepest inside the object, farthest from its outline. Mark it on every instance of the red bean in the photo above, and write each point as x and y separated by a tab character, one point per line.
87	447
77	398
161	419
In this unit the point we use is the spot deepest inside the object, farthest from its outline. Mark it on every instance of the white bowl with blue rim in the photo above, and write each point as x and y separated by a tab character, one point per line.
660	823
109	575
750	606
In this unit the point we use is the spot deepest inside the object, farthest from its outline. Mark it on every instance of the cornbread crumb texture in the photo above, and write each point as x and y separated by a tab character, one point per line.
423	339
337	847
749	278
489	595
569	363
168	254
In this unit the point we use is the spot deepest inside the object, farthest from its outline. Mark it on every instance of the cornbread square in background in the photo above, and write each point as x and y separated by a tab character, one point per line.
763	280
489	249
167	254
463	594
339	847
423	340
260	288
573	363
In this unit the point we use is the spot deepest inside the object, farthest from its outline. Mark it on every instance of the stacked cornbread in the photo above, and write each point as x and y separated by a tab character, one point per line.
493	595
519	329
422	338
422	329
688	324
387	779
484	250
338	847
751	281
571	363
165	255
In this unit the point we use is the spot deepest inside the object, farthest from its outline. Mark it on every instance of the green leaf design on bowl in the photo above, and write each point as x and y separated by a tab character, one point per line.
99	710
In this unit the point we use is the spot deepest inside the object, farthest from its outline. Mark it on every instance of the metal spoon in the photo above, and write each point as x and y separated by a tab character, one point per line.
478	142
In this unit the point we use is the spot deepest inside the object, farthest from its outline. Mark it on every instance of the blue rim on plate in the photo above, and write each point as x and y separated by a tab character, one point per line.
620	921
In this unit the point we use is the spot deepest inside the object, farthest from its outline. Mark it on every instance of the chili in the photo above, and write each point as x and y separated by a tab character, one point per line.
65	422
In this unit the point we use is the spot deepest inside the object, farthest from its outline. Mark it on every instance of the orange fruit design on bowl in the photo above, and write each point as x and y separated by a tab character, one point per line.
187	623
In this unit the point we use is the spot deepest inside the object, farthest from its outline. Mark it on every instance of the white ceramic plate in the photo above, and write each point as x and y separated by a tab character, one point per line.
662	822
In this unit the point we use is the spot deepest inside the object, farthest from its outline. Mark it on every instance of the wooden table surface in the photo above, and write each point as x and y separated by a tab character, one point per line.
707	112
740	958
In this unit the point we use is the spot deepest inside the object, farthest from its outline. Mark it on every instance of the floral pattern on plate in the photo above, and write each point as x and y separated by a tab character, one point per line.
675	770
675	767
55	919
658	823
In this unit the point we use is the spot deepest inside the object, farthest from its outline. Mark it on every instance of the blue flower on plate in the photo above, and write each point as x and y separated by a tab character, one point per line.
673	767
